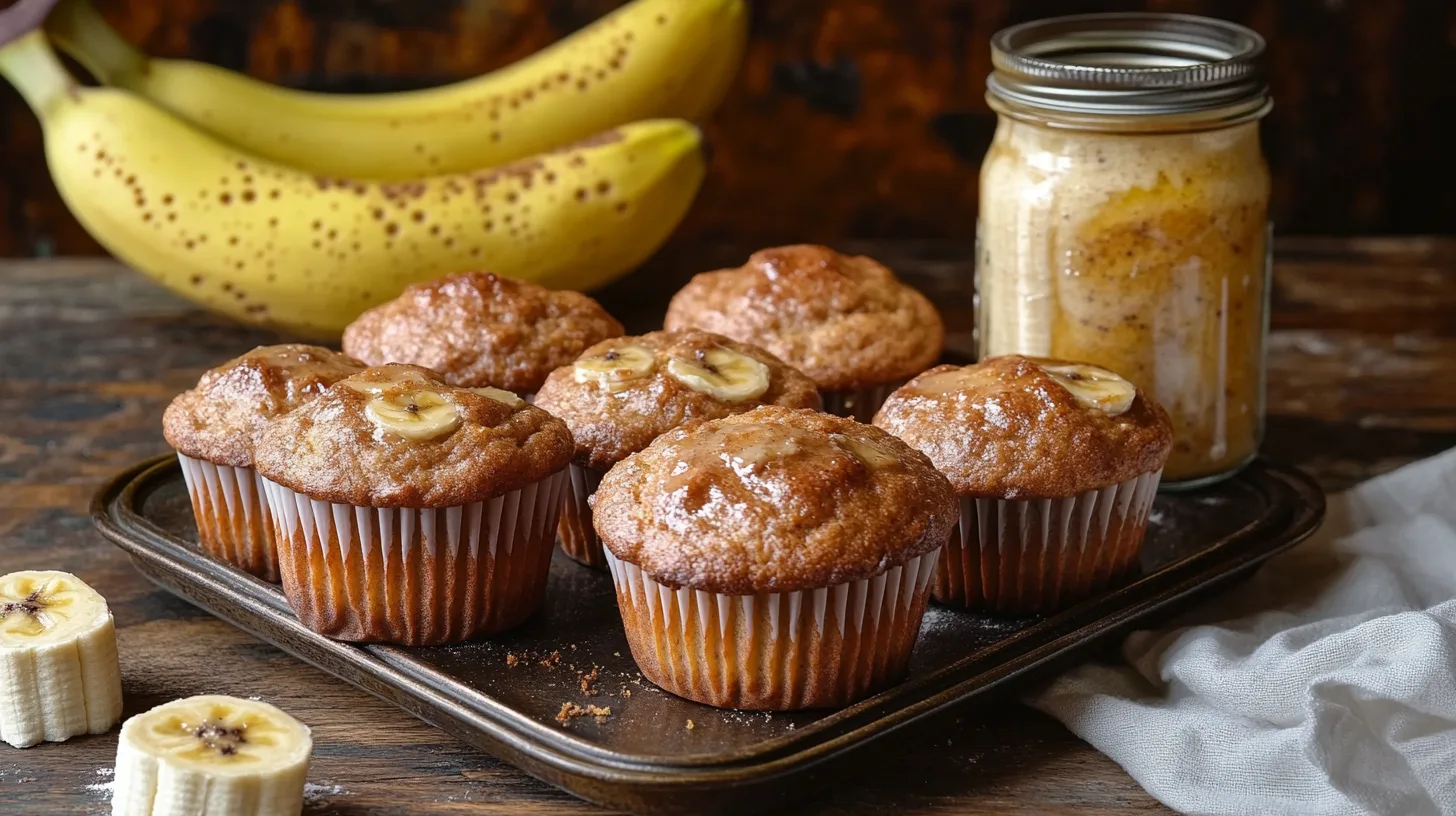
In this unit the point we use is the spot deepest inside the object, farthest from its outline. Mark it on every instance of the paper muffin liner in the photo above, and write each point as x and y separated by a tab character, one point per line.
416	577
578	538
234	524
1039	555
859	404
785	650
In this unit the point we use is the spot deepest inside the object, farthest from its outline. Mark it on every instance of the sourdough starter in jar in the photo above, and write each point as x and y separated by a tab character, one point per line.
1135	238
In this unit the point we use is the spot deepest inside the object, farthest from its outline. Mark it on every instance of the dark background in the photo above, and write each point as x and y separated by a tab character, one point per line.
850	118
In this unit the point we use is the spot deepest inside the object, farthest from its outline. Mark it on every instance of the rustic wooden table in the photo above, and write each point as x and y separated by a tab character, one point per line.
1362	378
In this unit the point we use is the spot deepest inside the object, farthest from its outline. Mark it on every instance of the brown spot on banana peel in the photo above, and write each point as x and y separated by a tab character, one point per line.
404	191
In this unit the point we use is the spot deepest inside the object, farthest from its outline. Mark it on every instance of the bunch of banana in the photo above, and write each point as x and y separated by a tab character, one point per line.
650	59
301	247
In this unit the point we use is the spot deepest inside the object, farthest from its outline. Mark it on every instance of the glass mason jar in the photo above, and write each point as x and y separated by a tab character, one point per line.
1124	217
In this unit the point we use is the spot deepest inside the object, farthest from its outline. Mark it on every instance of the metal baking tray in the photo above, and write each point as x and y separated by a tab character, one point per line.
505	695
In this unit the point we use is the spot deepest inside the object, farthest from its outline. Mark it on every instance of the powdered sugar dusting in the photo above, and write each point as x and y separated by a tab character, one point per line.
315	794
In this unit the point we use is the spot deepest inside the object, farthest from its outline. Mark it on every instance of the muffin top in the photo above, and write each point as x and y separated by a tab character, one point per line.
478	329
400	436
217	419
774	500
623	393
846	321
1018	427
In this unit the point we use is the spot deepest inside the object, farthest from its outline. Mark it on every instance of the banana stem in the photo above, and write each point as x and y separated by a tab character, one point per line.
80	30
33	68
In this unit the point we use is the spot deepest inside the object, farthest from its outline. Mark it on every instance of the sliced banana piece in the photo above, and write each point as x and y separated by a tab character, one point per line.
616	369
722	373
213	755
499	395
413	414
59	675
1094	387
392	379
871	454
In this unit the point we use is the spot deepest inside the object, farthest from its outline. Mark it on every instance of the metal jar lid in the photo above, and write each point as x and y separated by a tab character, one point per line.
1136	64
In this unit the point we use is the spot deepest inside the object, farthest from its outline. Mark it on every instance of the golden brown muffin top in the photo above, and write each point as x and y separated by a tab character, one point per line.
478	329
846	321
217	419
1010	427
400	436
774	500
663	387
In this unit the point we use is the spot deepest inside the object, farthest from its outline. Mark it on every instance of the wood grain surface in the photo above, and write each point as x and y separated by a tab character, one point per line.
874	108
1361	355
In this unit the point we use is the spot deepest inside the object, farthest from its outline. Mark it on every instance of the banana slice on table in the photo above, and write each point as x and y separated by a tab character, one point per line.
722	373
499	395
616	369
211	755
413	414
1095	387
59	675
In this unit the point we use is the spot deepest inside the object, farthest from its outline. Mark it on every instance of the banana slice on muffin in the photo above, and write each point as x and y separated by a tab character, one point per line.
622	394
1094	387
721	372
616	367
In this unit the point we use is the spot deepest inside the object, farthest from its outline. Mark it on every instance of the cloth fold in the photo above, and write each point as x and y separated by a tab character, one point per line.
1324	685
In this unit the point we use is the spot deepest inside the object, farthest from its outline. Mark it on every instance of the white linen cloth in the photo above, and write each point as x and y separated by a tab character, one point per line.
1324	685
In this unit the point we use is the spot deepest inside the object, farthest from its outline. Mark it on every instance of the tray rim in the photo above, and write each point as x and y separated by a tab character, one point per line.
558	756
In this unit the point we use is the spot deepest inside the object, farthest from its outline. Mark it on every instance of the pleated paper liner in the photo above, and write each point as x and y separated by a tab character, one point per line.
859	404
233	520
578	538
1040	555
416	577
777	651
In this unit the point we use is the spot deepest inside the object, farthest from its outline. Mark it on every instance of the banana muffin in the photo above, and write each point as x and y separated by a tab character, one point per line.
413	512
621	394
212	427
778	559
1056	465
477	329
844	320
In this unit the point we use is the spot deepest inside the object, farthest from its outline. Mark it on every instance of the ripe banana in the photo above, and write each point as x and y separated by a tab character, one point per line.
213	755
1094	387
59	675
649	59
271	245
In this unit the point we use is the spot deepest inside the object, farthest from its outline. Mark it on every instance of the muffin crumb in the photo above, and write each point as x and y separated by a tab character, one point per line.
587	679
570	711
